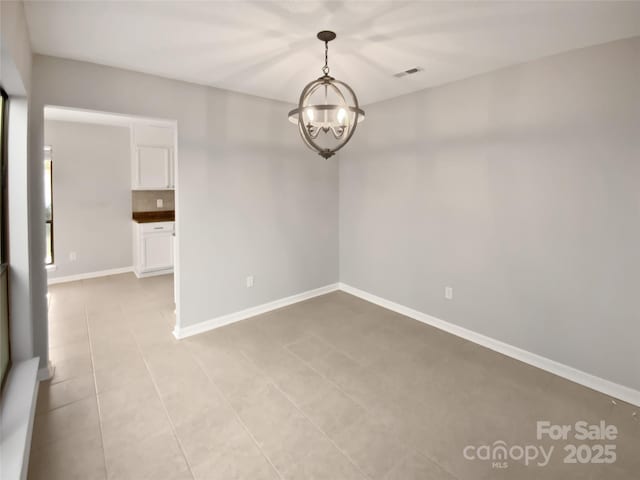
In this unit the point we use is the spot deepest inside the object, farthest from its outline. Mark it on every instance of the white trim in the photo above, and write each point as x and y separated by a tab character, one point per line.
207	325
46	373
50	268
607	387
153	273
176	229
86	276
16	419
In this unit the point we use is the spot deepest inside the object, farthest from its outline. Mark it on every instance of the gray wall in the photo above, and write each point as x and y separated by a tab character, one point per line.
519	188
250	198
91	192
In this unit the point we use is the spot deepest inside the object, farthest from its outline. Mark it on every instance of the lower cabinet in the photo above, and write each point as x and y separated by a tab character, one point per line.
153	248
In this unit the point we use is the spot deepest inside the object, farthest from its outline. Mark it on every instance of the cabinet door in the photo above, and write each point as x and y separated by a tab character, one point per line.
157	251
153	169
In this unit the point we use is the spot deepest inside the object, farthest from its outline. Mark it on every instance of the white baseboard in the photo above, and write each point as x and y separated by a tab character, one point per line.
86	276
46	373
207	325
607	387
152	274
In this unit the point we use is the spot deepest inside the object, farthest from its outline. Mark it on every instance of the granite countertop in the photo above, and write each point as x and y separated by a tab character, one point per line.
157	216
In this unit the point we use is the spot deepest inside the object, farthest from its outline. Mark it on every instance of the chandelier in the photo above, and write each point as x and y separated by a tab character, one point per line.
328	111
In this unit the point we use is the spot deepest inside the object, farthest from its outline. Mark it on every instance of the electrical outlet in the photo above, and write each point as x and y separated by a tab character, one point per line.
448	293
72	256
159	203
250	281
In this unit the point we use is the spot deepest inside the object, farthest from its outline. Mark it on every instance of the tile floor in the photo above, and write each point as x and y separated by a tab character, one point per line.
331	388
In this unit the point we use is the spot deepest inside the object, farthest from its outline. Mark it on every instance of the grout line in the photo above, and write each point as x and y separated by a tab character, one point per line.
236	414
95	385
46	412
408	446
332	382
86	316
367	410
277	387
397	465
164	407
254	366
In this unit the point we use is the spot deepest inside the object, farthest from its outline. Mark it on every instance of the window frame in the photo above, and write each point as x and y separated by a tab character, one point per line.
4	250
48	149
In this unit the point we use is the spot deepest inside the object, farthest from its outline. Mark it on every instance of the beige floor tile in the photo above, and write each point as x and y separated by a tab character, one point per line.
270	359
119	372
333	387
66	330
371	446
357	346
67	307
332	411
416	467
60	340
116	356
51	396
108	321
236	379
335	366
130	415
100	302
105	353
240	460
365	386
110	343
206	435
172	363
128	397
215	346
284	326
64	421
324	463
71	351
301	384
157	457
293	440
189	399
309	348
77	456
265	411
75	367
154	336
129	429
143	318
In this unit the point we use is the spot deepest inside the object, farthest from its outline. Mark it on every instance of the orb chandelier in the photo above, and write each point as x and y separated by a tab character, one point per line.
328	110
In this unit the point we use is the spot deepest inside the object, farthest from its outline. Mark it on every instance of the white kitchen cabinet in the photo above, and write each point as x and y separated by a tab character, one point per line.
153	163
153	248
152	168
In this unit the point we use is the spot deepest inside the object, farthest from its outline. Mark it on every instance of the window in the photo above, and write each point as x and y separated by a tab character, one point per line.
48	204
5	348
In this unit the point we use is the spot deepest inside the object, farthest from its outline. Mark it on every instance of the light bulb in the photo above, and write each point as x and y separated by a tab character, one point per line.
341	115
310	114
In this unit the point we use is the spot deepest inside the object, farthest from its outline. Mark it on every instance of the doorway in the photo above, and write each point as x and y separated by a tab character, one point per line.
112	183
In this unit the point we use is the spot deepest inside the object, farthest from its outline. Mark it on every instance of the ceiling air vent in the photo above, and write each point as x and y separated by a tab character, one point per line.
411	71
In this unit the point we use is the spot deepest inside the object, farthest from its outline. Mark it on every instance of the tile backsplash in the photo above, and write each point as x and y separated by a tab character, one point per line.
145	200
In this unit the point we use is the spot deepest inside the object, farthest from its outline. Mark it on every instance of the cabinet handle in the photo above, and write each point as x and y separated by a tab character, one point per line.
158	228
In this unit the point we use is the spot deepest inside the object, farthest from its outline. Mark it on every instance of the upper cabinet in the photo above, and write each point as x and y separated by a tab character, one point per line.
153	162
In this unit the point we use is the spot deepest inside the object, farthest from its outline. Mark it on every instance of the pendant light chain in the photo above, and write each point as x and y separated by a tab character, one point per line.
325	69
